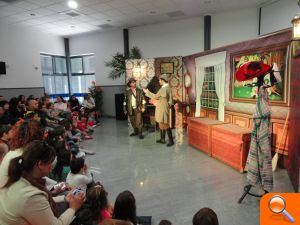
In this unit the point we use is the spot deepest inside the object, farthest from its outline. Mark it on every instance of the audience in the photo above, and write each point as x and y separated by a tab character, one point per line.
79	176
125	208
205	216
165	222
96	208
26	160
31	104
24	198
74	104
4	138
21	134
60	104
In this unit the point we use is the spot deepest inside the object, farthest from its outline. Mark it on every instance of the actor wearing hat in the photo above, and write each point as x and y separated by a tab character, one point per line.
162	110
134	106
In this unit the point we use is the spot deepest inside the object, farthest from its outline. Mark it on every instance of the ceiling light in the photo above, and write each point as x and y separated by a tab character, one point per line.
73	4
32	14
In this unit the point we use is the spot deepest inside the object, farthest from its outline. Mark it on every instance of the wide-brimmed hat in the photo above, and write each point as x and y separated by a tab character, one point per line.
251	70
164	77
130	80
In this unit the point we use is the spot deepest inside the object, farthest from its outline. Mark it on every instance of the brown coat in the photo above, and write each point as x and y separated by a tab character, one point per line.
164	102
140	101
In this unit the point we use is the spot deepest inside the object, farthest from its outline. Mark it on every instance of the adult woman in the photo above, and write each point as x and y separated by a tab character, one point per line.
15	110
162	110
21	134
74	103
124	208
60	104
24	199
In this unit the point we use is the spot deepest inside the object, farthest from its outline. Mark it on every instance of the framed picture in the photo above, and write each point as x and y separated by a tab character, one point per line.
276	56
167	67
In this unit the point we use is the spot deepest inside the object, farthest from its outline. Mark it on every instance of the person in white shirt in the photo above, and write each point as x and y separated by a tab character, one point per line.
79	176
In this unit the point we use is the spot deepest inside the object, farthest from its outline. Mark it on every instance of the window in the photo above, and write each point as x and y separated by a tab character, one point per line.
54	71
209	98
83	73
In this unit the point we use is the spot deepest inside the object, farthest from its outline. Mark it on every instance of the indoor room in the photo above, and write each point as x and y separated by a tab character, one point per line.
149	112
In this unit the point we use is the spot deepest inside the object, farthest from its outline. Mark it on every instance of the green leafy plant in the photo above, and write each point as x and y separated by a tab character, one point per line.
118	64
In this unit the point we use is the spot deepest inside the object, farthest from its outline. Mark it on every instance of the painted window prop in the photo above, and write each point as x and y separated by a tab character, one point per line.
209	98
277	57
167	68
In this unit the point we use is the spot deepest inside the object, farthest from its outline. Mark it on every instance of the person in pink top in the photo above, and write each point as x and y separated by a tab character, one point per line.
60	104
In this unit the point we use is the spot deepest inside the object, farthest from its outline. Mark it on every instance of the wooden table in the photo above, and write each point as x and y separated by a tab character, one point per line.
199	133
230	144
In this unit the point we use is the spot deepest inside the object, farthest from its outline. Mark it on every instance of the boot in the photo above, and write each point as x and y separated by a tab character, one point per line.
141	136
162	137
135	132
170	136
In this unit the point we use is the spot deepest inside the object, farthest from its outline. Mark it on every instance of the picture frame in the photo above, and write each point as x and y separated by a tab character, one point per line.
278	56
167	68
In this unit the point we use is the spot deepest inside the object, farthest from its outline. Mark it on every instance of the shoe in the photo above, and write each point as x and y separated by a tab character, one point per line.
141	136
133	134
170	136
162	137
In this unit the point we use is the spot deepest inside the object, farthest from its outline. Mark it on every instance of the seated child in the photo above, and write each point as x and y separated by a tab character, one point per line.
79	176
205	216
96	208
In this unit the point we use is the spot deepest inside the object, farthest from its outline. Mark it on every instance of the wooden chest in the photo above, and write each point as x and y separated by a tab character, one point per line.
230	144
199	133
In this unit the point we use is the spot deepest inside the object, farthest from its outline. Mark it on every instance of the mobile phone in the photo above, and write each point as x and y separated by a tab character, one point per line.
62	185
76	191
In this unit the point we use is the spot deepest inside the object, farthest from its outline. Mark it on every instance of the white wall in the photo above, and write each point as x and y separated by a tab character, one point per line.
20	48
232	27
177	38
103	45
278	15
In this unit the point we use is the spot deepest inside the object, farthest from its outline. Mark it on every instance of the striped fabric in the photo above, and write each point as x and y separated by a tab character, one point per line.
259	161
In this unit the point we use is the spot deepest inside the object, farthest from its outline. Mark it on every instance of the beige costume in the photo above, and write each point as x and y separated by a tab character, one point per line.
164	102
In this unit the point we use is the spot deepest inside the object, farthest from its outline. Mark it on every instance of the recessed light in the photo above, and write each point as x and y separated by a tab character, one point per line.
152	12
32	14
73	4
72	26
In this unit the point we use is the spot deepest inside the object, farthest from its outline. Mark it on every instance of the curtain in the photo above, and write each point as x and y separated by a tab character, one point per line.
217	60
220	88
199	84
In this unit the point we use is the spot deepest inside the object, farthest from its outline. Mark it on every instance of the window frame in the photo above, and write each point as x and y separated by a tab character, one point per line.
83	66
54	65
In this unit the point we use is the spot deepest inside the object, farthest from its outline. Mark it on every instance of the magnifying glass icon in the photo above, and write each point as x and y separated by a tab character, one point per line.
277	205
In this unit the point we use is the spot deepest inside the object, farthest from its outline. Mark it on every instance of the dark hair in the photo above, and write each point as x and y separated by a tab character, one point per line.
76	164
62	99
97	199
86	96
13	103
205	216
22	166
125	208
4	129
25	132
34	152
165	222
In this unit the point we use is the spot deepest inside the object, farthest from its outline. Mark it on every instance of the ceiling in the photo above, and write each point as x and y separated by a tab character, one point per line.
54	16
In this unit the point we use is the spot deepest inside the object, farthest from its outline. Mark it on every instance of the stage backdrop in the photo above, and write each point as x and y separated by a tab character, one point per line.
147	71
140	69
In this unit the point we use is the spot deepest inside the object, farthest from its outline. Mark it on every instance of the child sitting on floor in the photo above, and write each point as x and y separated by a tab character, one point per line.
96	208
79	176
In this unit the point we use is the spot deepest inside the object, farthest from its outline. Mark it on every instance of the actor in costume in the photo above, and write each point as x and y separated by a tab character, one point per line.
134	106
162	110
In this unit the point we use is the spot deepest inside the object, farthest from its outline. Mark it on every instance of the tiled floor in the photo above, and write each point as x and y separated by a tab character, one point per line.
171	183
